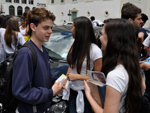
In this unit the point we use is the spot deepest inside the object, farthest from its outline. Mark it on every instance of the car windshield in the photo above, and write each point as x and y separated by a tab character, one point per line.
59	44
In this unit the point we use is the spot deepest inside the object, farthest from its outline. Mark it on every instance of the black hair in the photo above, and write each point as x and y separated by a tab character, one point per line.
84	36
144	17
122	49
2	21
130	11
92	18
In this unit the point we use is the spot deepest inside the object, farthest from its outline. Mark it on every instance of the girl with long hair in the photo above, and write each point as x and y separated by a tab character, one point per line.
11	38
121	67
83	55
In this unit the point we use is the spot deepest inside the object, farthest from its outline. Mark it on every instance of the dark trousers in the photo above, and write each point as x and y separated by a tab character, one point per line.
147	97
72	103
8	110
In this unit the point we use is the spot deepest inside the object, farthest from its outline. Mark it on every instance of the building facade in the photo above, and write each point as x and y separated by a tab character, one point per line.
18	7
67	10
102	9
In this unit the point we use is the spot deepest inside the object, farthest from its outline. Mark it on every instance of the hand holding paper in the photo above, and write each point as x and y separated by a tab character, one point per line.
63	80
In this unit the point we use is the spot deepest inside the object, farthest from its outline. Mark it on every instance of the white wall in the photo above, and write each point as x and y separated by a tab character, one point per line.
96	8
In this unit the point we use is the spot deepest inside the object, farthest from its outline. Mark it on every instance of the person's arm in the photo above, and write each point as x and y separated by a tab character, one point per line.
146	43
140	39
93	103
143	84
21	38
141	36
112	100
98	64
97	67
72	77
144	66
145	49
27	29
68	71
2	50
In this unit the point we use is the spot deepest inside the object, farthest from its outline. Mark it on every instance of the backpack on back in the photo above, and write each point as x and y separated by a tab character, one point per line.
6	97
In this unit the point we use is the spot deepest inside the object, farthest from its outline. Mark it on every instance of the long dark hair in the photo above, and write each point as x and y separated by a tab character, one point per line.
84	36
11	29
122	48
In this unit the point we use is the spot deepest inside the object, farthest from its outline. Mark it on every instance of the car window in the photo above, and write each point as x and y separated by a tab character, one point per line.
59	44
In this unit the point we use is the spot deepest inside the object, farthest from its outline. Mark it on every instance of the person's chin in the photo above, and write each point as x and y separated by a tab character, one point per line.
46	40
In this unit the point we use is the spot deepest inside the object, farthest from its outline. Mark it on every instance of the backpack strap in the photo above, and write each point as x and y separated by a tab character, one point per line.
34	57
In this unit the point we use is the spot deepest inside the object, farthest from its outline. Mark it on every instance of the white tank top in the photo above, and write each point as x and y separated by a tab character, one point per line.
22	31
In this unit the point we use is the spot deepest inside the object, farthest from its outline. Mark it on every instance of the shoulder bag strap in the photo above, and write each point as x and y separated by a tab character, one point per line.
34	57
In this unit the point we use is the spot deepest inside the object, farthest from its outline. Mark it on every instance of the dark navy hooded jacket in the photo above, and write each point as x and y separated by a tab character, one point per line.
33	89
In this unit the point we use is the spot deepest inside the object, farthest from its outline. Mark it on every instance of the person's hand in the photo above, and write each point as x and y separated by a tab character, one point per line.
72	76
145	66
86	88
57	88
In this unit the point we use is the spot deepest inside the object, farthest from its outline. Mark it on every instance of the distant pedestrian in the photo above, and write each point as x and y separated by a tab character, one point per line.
142	34
133	14
6	17
11	38
2	56
94	22
144	19
2	22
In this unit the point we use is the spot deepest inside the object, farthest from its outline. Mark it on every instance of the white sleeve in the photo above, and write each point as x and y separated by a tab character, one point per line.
2	54
94	24
95	52
118	81
21	40
2	51
147	41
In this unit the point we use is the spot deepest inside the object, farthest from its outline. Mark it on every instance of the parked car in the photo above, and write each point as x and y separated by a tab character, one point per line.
58	46
68	23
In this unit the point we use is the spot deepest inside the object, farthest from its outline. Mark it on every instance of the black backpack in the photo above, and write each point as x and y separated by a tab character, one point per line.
9	102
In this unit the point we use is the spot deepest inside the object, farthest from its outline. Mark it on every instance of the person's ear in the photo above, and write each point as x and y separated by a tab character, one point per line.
130	20
32	26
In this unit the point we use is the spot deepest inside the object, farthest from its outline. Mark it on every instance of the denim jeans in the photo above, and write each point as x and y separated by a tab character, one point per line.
72	103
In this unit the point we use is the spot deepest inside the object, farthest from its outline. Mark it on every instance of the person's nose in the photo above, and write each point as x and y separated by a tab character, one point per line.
50	31
100	37
141	20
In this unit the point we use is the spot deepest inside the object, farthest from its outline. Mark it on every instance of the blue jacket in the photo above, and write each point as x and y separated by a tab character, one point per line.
33	89
143	31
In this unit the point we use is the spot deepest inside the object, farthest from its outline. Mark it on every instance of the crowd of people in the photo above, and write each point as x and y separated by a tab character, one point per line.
124	41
